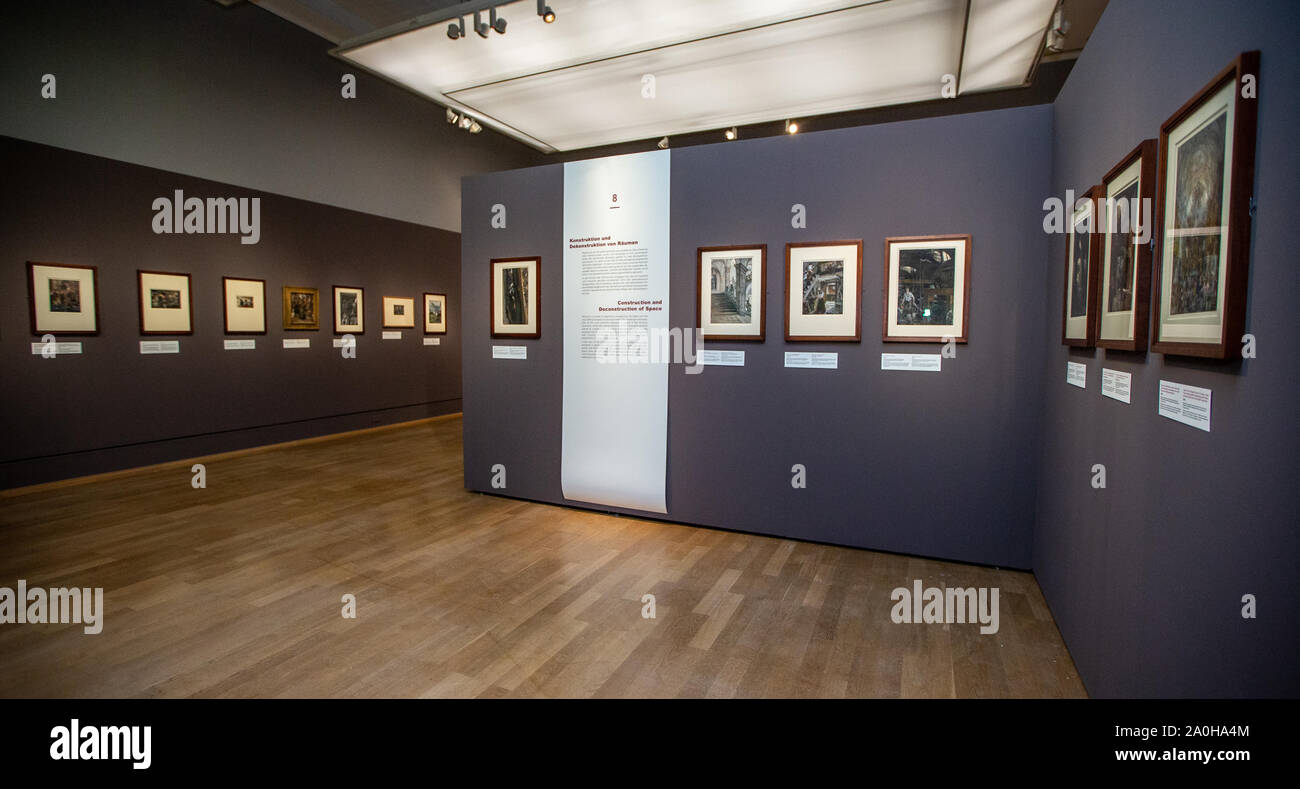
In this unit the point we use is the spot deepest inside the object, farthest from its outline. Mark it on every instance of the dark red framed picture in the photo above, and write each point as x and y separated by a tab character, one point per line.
166	303
1082	272
731	292
823	291
63	298
927	288
244	305
516	298
1127	210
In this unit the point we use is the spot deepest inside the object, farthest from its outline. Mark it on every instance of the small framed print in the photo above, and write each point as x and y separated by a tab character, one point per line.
435	313
927	288
244	301
1127	212
823	291
165	303
731	292
301	308
1082	245
64	298
516	298
1207	174
399	313
349	310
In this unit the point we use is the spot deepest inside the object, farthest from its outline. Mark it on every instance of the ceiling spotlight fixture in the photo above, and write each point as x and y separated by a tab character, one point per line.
452	115
663	143
480	26
730	134
545	12
466	121
456	30
791	127
498	23
474	127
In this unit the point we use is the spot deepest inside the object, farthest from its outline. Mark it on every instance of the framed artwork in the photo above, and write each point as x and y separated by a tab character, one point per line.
399	313
1207	167
301	308
349	310
244	303
516	298
1127	210
1082	245
165	303
823	289
435	313
731	292
927	288
64	298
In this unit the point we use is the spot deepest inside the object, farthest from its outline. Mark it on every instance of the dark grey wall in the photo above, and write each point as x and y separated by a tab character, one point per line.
1145	578
113	408
940	465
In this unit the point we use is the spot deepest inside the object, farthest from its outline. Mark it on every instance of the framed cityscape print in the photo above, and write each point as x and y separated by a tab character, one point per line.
64	298
1128	213
301	308
1207	166
399	313
731	292
349	310
823	289
435	313
165	303
1082	242
516	298
927	288
244	305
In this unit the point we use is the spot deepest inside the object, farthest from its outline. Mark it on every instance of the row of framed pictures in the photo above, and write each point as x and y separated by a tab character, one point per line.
65	300
1206	163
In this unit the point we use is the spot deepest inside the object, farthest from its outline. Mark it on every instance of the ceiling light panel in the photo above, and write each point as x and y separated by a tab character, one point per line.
1003	42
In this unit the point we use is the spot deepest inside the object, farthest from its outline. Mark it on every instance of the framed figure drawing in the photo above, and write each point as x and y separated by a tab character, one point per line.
1082	242
165	303
1207	166
244	305
435	313
927	288
731	292
349	310
399	313
64	298
301	308
1127	212
823	289
516	298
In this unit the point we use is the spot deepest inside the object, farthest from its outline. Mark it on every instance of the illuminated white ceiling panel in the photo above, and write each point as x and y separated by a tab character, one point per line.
1003	42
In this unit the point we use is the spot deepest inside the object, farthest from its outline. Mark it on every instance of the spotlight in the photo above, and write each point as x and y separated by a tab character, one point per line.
455	31
545	12
498	23
480	26
475	128
452	115
663	143
466	121
730	134
791	127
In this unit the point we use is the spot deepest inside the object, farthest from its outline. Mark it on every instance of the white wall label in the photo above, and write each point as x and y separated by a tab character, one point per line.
813	361
509	351
239	345
723	358
1187	404
392	335
1116	384
160	346
433	341
340	342
60	348
916	362
304	342
1076	374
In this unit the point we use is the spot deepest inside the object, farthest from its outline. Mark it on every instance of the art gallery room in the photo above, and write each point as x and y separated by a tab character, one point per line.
649	349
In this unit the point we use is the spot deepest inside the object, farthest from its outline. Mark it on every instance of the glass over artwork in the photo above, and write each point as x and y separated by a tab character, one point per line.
65	295
731	282
925	286
823	287
348	308
1119	294
1079	270
514	296
1198	219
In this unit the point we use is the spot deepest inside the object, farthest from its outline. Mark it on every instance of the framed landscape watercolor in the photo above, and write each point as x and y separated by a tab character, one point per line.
63	298
244	305
1207	170
165	303
927	288
435	313
731	292
516	297
1127	210
399	313
301	308
1082	245
349	310
823	291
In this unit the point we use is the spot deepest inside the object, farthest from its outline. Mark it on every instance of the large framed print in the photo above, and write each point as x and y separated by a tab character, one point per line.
301	308
244	305
731	292
435	313
927	288
399	313
823	291
64	298
349	310
1082	248
516	297
165	303
1207	175
1128	212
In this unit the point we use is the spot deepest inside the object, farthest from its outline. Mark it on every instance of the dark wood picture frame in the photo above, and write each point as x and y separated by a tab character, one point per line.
1145	152
334	307
1094	273
700	252
139	301
285	294
857	321
31	298
537	290
383	303
966	241
1241	187
225	305
424	313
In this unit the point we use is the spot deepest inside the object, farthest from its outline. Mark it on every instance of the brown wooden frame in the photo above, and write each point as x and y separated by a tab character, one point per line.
425	312
857	336
334	293
965	306
492	305
1089	340
1146	151
762	296
285	291
225	305
1241	186
31	297
139	301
